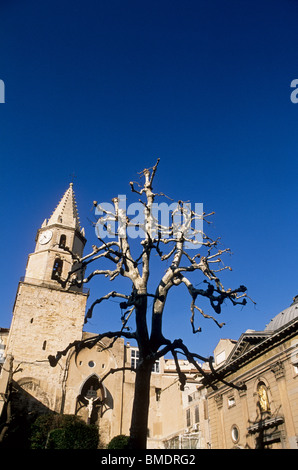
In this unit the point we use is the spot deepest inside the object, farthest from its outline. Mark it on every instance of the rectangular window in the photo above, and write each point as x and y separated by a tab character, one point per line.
197	416
155	367
188	418
231	402
205	409
134	358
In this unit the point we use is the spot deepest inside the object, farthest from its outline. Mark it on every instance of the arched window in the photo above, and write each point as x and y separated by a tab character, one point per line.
57	268
92	386
62	242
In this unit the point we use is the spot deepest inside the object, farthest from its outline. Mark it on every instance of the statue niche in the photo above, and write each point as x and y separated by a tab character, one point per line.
91	400
263	402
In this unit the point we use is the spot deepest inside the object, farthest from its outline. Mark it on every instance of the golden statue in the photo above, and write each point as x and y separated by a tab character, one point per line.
263	398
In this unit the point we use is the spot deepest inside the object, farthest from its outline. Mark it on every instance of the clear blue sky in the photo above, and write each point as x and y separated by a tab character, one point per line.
103	88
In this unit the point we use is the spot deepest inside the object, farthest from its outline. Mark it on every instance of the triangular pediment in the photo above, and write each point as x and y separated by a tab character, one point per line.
246	342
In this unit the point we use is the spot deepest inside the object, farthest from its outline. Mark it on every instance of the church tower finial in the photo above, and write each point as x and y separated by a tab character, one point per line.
66	212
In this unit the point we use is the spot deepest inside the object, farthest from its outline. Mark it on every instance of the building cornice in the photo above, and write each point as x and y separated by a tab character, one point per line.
268	343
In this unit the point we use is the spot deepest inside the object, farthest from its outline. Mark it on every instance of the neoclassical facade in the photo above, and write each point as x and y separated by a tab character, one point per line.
263	412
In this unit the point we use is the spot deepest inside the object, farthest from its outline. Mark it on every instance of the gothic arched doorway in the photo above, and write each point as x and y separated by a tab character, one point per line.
91	399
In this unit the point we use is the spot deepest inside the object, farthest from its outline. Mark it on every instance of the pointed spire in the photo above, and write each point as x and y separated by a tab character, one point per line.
66	212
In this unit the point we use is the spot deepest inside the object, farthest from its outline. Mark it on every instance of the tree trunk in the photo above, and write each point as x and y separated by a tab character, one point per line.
139	419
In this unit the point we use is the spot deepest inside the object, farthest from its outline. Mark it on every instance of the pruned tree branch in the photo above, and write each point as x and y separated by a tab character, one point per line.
87	343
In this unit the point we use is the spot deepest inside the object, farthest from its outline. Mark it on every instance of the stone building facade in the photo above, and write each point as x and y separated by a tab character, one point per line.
263	412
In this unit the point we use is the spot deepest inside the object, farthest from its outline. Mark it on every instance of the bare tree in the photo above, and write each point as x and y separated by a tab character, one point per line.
174	243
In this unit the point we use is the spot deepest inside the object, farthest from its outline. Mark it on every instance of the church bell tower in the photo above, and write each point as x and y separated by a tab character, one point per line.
49	312
59	241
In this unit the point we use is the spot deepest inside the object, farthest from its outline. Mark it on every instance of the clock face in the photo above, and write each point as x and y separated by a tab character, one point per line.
45	237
